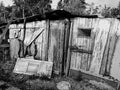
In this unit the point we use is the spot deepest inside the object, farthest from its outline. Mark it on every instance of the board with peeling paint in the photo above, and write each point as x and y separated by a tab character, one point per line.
110	47
82	42
30	66
15	35
56	40
102	30
40	41
115	63
35	39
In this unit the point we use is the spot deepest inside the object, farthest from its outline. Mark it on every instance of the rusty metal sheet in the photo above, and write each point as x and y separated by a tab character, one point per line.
30	66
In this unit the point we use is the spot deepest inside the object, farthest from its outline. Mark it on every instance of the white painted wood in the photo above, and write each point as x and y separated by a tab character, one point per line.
14	48
115	67
80	59
31	34
30	66
102	30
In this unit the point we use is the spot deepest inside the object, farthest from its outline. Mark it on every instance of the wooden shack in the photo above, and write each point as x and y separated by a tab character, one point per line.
43	38
94	48
75	44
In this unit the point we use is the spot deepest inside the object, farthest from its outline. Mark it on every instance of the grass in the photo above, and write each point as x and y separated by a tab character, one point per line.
25	82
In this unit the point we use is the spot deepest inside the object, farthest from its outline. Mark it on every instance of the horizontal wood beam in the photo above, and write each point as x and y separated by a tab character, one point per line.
77	75
74	49
27	28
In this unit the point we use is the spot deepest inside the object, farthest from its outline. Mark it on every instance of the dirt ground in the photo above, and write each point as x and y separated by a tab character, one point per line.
24	82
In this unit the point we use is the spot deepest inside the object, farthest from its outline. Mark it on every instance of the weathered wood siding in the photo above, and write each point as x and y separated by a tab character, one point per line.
15	33
115	52
81	48
109	48
35	39
101	35
96	51
41	41
105	43
31	66
56	40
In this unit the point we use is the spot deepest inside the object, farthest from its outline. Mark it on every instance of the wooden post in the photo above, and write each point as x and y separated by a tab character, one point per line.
69	51
65	45
47	39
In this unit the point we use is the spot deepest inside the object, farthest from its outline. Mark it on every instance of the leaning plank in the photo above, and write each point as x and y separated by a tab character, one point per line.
105	56
100	42
113	42
69	51
36	33
115	67
30	66
109	49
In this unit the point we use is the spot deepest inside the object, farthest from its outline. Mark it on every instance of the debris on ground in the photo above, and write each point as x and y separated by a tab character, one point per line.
5	86
63	85
12	88
13	81
101	85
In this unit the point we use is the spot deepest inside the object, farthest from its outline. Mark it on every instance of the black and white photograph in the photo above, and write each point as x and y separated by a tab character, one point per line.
59	44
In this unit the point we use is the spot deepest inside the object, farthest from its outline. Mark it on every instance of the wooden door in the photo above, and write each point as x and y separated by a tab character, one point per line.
56	44
81	45
81	49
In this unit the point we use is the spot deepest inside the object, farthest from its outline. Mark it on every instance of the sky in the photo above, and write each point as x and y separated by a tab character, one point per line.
111	3
7	2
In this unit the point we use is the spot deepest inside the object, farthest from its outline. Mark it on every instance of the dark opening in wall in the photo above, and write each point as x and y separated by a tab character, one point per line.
84	32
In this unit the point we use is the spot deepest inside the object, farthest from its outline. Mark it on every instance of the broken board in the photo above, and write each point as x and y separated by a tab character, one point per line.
33	67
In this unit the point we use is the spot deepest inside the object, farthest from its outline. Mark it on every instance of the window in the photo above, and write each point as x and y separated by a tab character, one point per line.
84	32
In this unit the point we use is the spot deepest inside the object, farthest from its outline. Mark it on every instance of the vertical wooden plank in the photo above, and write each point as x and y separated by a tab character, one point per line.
61	46
28	34
66	43
56	43
14	42
69	51
81	42
75	32
113	41
14	48
38	43
43	45
72	61
84	61
47	38
52	42
78	61
100	42
109	49
115	67
95	23
89	62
